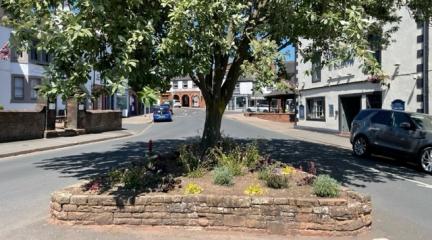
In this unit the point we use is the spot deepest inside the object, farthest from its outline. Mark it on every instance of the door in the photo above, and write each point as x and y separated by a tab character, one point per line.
350	107
402	139
380	129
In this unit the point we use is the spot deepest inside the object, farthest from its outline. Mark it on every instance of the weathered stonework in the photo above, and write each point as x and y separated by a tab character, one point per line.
340	216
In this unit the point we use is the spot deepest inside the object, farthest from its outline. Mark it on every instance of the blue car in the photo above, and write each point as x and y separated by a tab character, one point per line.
162	114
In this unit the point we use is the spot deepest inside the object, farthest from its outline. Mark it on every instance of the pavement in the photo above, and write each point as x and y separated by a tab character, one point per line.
401	195
131	126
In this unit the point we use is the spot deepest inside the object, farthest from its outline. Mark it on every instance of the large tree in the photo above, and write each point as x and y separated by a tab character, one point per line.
214	42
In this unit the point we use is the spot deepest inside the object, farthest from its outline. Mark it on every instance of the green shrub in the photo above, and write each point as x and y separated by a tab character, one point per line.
251	155
276	181
115	177
133	178
222	176
326	186
197	173
189	158
266	172
1	107
231	160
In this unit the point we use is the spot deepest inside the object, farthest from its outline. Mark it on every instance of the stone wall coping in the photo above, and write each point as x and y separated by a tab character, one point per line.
102	111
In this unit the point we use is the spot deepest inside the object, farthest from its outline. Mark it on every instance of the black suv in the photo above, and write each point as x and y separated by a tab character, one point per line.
393	133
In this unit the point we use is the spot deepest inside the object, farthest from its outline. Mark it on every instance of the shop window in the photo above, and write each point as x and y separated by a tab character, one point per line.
316	109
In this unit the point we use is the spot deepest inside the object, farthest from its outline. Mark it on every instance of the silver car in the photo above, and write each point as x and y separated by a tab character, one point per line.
393	133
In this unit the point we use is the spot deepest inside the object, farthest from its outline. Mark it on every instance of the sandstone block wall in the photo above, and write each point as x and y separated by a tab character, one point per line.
21	125
273	215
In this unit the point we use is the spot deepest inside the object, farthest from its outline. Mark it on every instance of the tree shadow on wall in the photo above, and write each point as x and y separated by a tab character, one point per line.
337	162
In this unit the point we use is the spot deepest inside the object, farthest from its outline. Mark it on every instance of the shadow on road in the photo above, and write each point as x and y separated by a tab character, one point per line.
337	162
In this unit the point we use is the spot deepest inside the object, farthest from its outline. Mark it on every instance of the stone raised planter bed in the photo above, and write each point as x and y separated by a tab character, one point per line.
347	215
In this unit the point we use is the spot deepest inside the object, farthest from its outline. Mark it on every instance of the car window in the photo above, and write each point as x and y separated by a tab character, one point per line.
423	122
382	117
399	118
363	114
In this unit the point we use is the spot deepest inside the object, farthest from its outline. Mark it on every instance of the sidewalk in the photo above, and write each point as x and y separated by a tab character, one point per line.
303	135
133	125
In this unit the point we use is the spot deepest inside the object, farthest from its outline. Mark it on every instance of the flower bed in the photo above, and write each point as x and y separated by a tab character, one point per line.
230	186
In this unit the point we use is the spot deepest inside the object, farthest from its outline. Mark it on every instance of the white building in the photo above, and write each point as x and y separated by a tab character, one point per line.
330	98
21	73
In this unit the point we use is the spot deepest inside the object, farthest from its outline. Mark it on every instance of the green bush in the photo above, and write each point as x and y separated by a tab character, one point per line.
1	107
189	158
222	176
251	155
326	186
197	173
264	173
276	181
115	177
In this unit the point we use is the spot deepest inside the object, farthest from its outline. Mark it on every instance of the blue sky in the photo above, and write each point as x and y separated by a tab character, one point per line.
289	53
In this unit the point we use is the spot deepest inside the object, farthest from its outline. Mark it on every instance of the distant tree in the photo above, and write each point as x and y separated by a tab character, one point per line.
148	97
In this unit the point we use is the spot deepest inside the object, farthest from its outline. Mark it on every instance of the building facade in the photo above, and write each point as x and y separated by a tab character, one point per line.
184	90
330	97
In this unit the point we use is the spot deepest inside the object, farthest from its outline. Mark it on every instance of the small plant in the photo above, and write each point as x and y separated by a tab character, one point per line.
222	176
277	181
1	107
252	156
254	190
133	178
312	168
197	173
115	177
189	158
326	186
192	189
266	172
231	160
287	170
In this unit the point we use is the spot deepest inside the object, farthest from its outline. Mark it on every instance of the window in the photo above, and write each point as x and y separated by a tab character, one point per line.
375	45
194	85
382	117
185	84
399	118
175	85
34	55
316	109
18	87
316	71
33	83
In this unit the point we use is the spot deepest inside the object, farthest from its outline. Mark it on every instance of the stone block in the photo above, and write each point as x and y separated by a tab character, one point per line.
151	222
160	215
61	197
178	208
270	210
215	201
155	208
332	202
79	199
203	222
190	199
276	227
262	201
306	202
254	223
127	221
320	210
234	221
281	201
142	200
104	218
70	207
107	201
144	215
93	200
122	215
236	202
80	216
56	206
59	215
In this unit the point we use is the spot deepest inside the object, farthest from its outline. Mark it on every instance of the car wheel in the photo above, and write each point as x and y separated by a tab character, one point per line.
360	147
425	159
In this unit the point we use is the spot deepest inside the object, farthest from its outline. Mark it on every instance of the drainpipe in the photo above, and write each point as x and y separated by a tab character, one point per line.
426	67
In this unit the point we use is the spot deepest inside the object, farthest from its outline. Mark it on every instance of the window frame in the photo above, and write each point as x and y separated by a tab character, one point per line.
310	109
13	87
39	81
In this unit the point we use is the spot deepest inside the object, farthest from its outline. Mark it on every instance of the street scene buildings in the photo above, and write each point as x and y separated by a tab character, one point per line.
197	119
331	97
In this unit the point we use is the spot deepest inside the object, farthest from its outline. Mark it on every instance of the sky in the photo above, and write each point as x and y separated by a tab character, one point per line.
289	53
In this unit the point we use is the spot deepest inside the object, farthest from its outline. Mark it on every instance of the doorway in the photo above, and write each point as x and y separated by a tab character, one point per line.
350	106
185	101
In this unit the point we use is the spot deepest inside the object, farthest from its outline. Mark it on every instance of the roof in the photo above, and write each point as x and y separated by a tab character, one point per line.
281	94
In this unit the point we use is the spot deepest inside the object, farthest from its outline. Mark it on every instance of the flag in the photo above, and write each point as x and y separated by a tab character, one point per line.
5	52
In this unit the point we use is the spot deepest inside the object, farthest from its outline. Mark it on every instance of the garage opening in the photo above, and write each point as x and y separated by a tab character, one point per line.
349	108
185	101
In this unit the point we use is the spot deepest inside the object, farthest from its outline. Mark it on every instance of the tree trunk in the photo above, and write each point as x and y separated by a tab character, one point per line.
212	135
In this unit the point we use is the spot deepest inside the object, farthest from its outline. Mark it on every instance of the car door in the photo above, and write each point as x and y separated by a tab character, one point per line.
403	139
380	129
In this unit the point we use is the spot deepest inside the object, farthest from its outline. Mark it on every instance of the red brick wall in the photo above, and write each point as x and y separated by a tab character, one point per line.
21	125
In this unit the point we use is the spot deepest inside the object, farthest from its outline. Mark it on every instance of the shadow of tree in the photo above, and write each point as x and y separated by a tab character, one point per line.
337	162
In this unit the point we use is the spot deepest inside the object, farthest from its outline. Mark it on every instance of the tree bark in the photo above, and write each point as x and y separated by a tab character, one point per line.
211	134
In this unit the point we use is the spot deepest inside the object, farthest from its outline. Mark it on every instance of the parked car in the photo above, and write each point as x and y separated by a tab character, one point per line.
393	133
258	108
162	114
176	103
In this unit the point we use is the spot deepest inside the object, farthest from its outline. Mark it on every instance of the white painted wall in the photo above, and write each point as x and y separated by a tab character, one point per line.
399	61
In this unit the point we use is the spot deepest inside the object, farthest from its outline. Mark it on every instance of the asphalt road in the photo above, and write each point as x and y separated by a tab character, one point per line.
401	196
